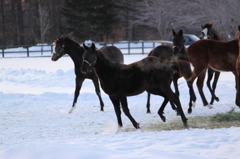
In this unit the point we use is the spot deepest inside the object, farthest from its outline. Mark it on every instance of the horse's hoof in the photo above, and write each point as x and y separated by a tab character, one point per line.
177	113
186	126
217	99
209	106
102	109
163	118
71	110
189	110
137	126
193	104
148	112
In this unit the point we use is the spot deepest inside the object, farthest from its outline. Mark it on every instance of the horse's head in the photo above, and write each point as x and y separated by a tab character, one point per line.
59	49
178	39
89	58
207	32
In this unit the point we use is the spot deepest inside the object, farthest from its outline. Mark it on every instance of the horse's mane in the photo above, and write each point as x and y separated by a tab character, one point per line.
65	39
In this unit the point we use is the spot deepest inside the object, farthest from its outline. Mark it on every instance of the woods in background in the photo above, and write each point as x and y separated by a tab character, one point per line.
27	22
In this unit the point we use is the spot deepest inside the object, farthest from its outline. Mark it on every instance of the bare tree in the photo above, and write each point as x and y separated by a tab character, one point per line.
160	15
44	20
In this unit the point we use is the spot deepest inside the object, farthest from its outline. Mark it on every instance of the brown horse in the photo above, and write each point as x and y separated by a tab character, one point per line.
119	81
238	64
220	56
65	45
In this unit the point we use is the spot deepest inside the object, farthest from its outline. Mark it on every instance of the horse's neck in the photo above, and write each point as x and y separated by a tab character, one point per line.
76	55
183	54
238	48
105	67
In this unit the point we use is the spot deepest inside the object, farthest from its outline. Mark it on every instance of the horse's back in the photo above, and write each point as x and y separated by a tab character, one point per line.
219	55
112	53
209	44
162	51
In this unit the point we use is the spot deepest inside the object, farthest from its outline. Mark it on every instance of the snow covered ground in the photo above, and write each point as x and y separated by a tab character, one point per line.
36	95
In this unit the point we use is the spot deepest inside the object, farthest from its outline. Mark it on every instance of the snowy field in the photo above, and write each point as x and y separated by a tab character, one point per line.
36	95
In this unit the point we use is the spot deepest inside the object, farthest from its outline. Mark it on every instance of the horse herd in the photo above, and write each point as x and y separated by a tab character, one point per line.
155	73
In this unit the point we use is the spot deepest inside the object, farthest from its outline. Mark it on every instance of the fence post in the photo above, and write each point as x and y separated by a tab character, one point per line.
2	52
142	47
128	48
51	49
27	52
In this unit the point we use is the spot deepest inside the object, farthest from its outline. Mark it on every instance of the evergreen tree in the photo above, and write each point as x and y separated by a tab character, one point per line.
90	19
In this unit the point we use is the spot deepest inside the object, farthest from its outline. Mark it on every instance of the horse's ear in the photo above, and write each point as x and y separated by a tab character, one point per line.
93	47
173	32
181	32
85	47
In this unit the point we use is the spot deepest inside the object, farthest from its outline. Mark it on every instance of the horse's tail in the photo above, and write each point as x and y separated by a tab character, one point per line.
183	68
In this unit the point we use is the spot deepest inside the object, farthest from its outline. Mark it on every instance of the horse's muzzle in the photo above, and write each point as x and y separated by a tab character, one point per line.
55	57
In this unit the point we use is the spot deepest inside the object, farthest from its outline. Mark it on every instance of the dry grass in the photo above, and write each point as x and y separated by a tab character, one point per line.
221	120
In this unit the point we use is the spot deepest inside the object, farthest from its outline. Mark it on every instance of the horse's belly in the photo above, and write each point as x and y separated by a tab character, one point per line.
222	67
123	88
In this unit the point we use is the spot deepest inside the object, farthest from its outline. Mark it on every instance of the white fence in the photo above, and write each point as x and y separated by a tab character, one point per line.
133	47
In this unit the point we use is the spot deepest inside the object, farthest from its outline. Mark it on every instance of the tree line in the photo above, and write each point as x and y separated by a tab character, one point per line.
27	22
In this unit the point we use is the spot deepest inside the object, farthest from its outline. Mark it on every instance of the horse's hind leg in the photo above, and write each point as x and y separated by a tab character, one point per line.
78	81
161	109
192	97
97	90
148	103
127	112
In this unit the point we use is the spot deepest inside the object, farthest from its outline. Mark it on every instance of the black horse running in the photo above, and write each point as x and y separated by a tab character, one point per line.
119	81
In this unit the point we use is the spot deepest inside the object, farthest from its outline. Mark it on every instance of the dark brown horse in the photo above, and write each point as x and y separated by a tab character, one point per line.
119	81
65	45
177	51
209	33
220	56
238	65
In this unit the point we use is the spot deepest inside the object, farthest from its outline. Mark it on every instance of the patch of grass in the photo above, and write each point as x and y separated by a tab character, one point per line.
220	120
230	116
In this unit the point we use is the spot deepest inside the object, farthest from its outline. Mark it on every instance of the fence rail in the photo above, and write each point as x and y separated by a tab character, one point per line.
127	47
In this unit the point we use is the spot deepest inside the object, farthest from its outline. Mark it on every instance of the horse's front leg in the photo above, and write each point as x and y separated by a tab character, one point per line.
148	103
116	104
172	97
78	81
127	112
200	81
237	81
175	83
213	87
97	90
